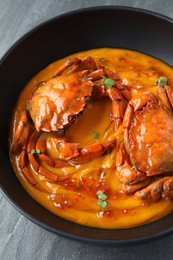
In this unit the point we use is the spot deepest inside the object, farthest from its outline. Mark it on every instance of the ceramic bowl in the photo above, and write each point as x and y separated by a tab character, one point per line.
80	30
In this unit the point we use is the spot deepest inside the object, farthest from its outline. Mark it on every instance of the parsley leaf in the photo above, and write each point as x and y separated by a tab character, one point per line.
162	81
33	151
101	199
108	82
95	135
101	195
102	204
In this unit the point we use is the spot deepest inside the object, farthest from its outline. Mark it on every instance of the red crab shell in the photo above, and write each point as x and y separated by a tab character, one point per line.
151	139
54	104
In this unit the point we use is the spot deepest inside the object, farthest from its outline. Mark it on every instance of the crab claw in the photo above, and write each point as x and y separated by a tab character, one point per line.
73	153
93	151
68	151
127	173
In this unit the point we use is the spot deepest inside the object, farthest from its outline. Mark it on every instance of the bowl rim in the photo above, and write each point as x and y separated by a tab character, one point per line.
28	215
82	10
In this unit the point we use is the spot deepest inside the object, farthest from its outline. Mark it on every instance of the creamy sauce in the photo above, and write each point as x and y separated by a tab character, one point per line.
75	199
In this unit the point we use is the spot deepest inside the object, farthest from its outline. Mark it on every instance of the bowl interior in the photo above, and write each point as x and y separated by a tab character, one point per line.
118	27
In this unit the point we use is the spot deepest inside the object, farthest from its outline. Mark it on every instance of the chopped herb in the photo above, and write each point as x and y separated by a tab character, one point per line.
108	82
95	135
102	204
33	151
101	199
162	81
99	192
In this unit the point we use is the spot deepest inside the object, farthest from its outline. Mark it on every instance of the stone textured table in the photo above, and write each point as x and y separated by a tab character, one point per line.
20	239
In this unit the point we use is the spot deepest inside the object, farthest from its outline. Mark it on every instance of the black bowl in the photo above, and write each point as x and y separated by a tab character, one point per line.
80	30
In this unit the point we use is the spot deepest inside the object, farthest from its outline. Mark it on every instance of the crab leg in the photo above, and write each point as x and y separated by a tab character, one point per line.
96	74
128	116
157	189
23	155
118	106
163	94
127	188
48	174
67	65
19	131
87	63
33	159
168	188
24	168
30	147
120	156
124	90
76	64
29	176
169	94
27	172
117	113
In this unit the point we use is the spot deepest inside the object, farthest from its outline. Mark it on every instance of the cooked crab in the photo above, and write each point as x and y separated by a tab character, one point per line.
74	86
55	104
145	157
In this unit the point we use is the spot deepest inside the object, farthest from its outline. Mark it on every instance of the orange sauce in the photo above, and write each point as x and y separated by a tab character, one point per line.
75	199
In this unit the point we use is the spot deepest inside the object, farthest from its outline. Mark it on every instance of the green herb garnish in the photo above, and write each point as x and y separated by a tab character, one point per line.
33	151
101	199
108	82
95	135
101	195
102	204
162	81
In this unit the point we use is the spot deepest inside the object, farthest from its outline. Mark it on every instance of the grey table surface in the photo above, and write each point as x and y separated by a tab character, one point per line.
20	238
